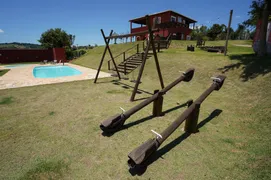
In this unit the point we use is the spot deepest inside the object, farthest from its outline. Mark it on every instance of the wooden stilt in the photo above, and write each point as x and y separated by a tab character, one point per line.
140	72
157	105
150	42
192	120
110	53
101	63
155	54
112	58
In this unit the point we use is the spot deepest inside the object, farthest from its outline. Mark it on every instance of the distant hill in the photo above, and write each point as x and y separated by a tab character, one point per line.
16	45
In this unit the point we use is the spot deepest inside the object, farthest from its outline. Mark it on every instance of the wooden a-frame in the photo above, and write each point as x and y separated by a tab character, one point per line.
151	43
106	48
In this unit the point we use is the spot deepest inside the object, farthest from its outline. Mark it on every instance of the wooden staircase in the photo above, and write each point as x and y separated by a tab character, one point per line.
131	63
162	43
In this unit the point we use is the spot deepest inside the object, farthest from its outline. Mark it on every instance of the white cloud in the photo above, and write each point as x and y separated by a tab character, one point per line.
1	31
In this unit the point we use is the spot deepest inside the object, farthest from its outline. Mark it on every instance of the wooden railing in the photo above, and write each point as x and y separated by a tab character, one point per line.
124	55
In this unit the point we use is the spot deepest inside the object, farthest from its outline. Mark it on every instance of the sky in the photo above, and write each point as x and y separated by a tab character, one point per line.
26	20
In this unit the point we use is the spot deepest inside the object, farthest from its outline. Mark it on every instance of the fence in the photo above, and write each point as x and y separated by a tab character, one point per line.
8	56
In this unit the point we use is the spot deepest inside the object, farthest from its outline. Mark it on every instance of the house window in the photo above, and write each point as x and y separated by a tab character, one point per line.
180	20
184	21
173	19
158	20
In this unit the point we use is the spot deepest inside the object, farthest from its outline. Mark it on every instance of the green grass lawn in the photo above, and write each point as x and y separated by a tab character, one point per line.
3	71
52	131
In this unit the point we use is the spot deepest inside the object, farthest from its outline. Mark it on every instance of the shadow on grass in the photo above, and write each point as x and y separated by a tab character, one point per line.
139	170
6	100
126	86
126	126
47	170
252	66
131	124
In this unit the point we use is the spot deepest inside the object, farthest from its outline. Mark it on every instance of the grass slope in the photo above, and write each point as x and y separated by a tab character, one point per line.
52	131
3	72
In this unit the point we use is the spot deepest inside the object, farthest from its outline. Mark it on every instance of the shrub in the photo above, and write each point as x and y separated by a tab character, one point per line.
69	54
82	52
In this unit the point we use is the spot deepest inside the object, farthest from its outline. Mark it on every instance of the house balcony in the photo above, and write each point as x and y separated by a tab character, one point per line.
139	29
166	25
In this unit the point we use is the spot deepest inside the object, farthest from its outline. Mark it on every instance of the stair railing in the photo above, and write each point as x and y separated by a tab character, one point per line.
123	54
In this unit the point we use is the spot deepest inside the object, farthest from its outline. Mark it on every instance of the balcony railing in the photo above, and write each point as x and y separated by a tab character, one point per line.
171	25
139	29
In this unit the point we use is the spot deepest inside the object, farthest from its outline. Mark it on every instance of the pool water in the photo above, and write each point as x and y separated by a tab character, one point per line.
16	65
54	71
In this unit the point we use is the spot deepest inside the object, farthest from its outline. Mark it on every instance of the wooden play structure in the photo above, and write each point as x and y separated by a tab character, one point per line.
190	116
117	121
137	59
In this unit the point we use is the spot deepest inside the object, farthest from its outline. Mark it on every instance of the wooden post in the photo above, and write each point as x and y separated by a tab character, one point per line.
192	120
140	72
151	40
123	56
124	68
158	46
131	26
157	105
108	62
228	33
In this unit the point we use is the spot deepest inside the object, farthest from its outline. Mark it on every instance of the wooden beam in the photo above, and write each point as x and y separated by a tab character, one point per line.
132	34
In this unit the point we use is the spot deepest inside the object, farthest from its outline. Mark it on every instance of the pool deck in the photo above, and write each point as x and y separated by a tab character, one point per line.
22	76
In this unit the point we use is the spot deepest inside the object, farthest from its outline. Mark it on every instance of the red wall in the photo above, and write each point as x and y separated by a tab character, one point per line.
31	55
59	54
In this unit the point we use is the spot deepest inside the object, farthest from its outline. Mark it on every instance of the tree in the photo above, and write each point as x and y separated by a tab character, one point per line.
263	30
199	33
231	34
72	38
223	34
214	31
239	33
255	13
56	38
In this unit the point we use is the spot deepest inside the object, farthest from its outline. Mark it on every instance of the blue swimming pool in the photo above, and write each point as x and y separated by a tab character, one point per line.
54	71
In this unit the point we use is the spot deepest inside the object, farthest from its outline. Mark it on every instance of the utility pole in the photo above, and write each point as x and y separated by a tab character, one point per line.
228	33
